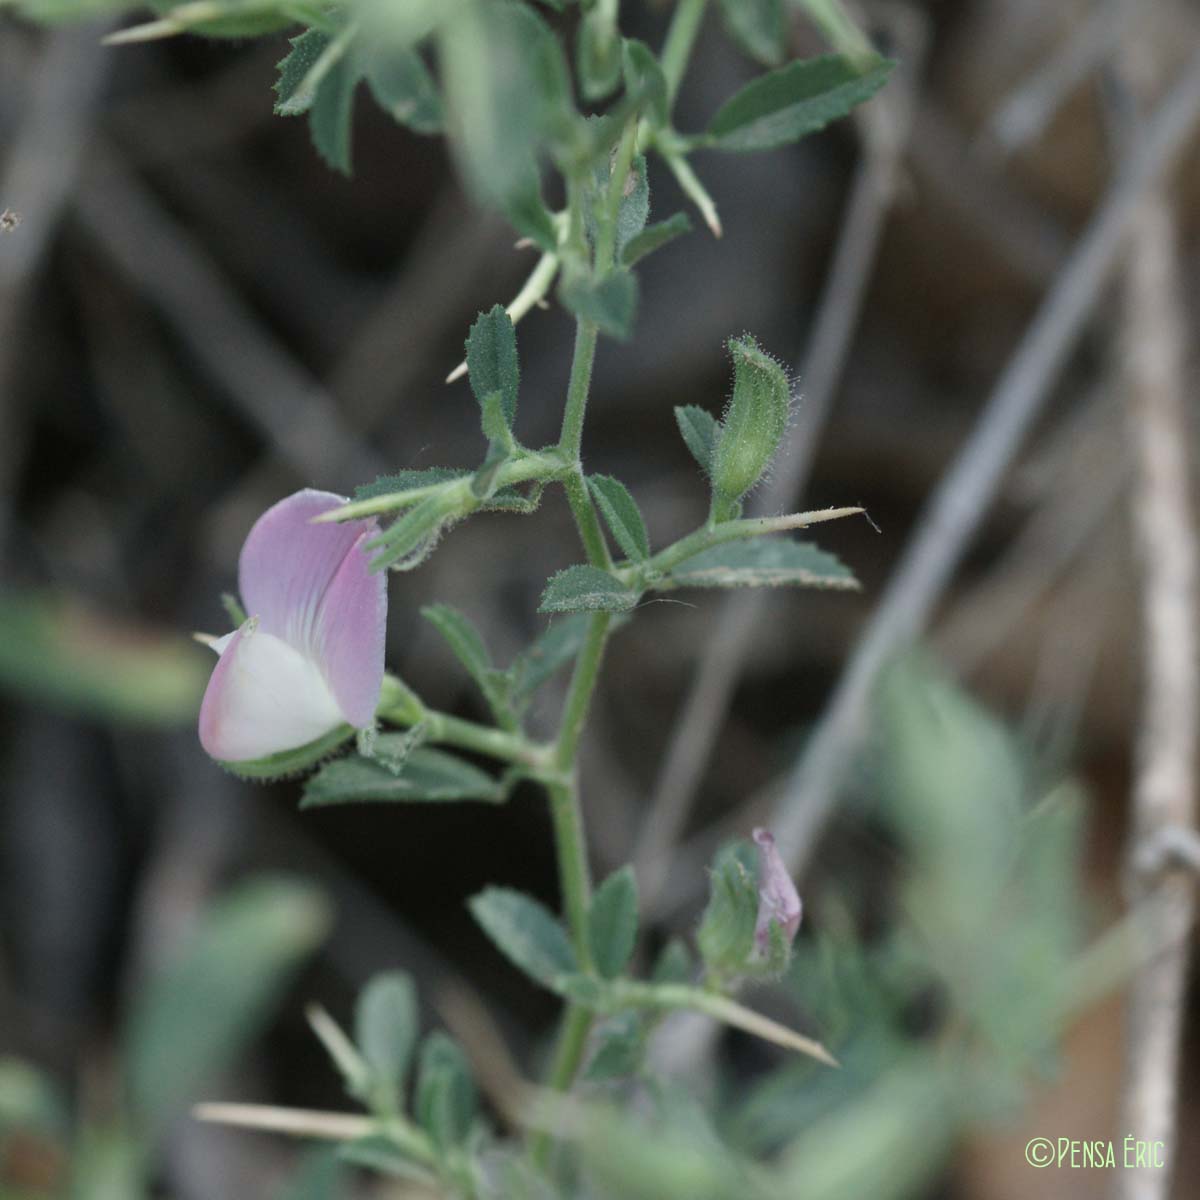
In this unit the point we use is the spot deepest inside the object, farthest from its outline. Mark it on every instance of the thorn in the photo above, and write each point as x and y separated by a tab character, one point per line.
524	244
544	305
457	373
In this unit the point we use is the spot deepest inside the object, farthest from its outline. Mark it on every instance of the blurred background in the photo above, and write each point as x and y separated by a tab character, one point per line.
197	317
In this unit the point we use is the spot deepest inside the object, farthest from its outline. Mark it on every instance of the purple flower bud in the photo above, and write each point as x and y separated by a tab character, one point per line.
310	657
778	900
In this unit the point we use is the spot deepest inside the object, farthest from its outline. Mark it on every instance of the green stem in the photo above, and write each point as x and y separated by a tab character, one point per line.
606	235
570	440
443	729
579	695
681	37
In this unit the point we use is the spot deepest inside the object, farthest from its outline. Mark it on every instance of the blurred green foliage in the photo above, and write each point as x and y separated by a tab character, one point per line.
55	651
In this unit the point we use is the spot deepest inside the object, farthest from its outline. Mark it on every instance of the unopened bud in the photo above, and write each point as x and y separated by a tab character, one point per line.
778	901
754	423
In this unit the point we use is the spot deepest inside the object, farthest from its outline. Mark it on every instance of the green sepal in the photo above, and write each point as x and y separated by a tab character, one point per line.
289	763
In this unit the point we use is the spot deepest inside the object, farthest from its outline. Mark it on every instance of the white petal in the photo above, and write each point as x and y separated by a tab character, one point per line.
264	697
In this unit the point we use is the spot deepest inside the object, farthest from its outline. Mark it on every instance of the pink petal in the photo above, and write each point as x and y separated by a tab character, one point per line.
264	697
778	900
310	586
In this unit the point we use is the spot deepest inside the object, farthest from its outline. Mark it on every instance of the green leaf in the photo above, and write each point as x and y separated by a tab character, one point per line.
622	516
793	101
329	117
383	1156
552	650
407	542
758	27
195	1017
653	237
462	637
699	430
634	208
30	1102
755	420
526	932
597	54
674	964
646	83
620	1047
445	1099
54	651
762	562
407	481
527	211
613	922
507	87
586	589
428	775
726	933
611	303
294	70
401	83
318	1178
385	1028
492	360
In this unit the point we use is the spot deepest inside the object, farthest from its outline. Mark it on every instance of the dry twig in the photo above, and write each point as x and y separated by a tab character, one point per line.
1164	793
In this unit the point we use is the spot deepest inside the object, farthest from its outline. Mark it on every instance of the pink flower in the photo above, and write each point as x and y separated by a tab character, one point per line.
310	656
778	900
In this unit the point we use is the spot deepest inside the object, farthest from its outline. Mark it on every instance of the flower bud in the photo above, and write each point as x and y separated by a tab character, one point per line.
778	901
754	423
